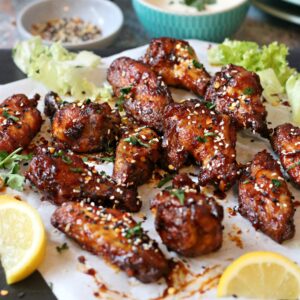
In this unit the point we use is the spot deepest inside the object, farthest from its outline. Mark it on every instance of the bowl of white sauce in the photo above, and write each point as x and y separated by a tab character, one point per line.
211	20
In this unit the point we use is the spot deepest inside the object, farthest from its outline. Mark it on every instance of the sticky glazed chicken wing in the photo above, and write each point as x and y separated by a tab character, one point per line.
88	127
20	121
238	93
192	129
137	153
145	95
115	236
187	221
285	141
264	198
177	63
62	176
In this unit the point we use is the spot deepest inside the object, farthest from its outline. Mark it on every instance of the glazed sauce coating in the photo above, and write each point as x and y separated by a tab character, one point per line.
115	236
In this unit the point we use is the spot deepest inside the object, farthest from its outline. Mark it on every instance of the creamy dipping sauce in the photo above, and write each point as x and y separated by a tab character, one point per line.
177	6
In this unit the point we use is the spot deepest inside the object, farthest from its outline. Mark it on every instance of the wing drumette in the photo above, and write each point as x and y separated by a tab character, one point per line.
145	95
238	93
20	121
115	236
136	156
192	129
285	141
88	127
264	198
187	221
63	176
176	61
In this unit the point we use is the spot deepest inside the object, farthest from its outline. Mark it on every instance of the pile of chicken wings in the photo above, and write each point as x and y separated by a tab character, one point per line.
148	129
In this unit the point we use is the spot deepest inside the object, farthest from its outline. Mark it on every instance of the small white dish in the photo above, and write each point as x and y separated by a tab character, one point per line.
102	13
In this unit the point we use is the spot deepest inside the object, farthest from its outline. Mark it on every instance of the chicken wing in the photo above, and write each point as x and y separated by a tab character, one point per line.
192	129
136	156
238	93
63	176
264	198
187	221
177	63
20	121
285	141
115	236
86	128
145	95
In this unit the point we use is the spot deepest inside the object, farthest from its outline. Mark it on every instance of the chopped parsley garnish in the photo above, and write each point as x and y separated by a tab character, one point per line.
135	231
59	153
62	248
7	115
10	167
120	102
76	170
190	50
198	4
164	180
248	91
179	194
277	183
126	90
88	101
209	134
210	105
246	181
197	65
135	141
107	158
66	159
201	139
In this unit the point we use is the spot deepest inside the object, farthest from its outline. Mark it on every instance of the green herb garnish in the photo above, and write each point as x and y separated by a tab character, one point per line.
85	159
135	141
198	4
201	139
10	167
62	248
246	181
66	159
7	115
59	153
277	183
206	134
248	91
179	194
210	105
164	180
76	170
197	65
126	90
134	231
107	158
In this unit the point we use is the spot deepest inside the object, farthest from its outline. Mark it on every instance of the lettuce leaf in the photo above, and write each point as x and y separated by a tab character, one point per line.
65	72
293	93
252	57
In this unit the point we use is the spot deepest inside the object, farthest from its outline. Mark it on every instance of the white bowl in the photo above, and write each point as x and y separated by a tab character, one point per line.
102	13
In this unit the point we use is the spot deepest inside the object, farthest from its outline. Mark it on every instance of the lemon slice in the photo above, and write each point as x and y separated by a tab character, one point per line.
22	238
261	275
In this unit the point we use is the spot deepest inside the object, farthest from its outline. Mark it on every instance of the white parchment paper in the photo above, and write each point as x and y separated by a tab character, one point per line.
63	271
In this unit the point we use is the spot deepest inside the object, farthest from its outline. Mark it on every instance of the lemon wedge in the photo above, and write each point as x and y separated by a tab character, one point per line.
22	238
261	275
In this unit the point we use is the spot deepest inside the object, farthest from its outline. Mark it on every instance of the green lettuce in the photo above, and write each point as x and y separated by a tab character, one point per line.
293	94
252	57
67	73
